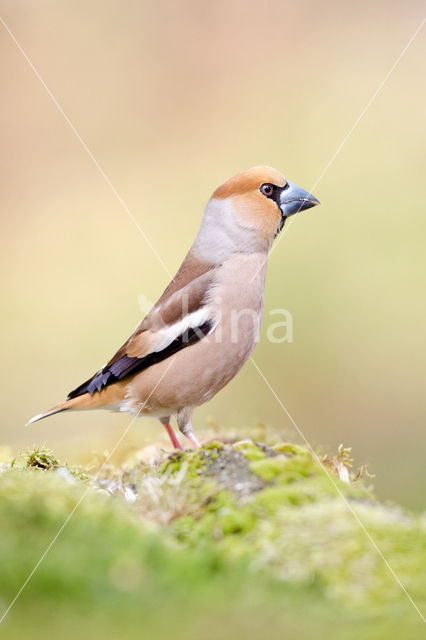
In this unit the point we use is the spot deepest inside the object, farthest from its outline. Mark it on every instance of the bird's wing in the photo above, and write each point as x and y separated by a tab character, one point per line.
177	323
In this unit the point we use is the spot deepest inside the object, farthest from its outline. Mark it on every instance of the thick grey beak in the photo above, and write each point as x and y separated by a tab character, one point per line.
294	199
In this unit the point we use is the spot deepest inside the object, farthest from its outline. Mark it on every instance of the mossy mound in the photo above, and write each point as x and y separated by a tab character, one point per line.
242	535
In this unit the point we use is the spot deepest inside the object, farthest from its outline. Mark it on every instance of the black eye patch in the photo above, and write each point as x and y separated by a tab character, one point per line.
272	191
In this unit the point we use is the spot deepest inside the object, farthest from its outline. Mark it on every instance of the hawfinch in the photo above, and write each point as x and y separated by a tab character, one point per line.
205	325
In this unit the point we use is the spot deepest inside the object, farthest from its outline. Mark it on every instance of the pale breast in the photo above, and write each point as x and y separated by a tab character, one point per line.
195	374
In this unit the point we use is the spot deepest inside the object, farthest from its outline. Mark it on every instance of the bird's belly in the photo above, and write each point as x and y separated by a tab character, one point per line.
196	373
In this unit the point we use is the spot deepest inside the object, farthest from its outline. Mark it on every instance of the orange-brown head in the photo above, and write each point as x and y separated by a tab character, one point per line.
248	211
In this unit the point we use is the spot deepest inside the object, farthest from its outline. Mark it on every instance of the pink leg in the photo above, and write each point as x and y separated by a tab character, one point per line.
185	426
173	437
191	437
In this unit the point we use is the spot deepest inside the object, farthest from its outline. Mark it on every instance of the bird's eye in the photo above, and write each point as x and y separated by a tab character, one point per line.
267	190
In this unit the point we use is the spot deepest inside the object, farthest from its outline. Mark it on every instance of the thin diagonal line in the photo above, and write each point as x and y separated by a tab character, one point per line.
86	148
351	130
369	103
339	491
80	500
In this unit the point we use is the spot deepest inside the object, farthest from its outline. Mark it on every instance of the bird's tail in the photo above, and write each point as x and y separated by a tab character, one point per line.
51	412
104	399
63	406
82	402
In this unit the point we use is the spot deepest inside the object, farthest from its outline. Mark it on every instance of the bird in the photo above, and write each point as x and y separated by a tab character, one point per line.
205	325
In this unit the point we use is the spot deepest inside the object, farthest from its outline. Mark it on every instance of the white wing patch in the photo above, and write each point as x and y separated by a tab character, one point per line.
165	336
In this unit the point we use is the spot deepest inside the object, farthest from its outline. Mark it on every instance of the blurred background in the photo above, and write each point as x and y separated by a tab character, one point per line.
172	98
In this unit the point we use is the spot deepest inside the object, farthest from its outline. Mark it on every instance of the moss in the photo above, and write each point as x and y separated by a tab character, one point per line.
286	464
210	526
289	448
269	468
41	458
172	463
194	460
213	445
250	450
297	496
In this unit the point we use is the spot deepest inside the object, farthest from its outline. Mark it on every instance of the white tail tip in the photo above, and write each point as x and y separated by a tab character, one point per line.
40	416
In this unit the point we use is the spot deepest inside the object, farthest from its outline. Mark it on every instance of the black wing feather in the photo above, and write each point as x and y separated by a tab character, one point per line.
126	365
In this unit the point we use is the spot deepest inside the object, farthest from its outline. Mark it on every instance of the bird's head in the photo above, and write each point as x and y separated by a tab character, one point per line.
248	211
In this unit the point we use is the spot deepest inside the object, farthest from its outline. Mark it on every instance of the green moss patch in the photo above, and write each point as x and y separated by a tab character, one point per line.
229	532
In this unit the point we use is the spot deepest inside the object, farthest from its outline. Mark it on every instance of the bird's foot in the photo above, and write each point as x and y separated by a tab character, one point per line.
193	440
